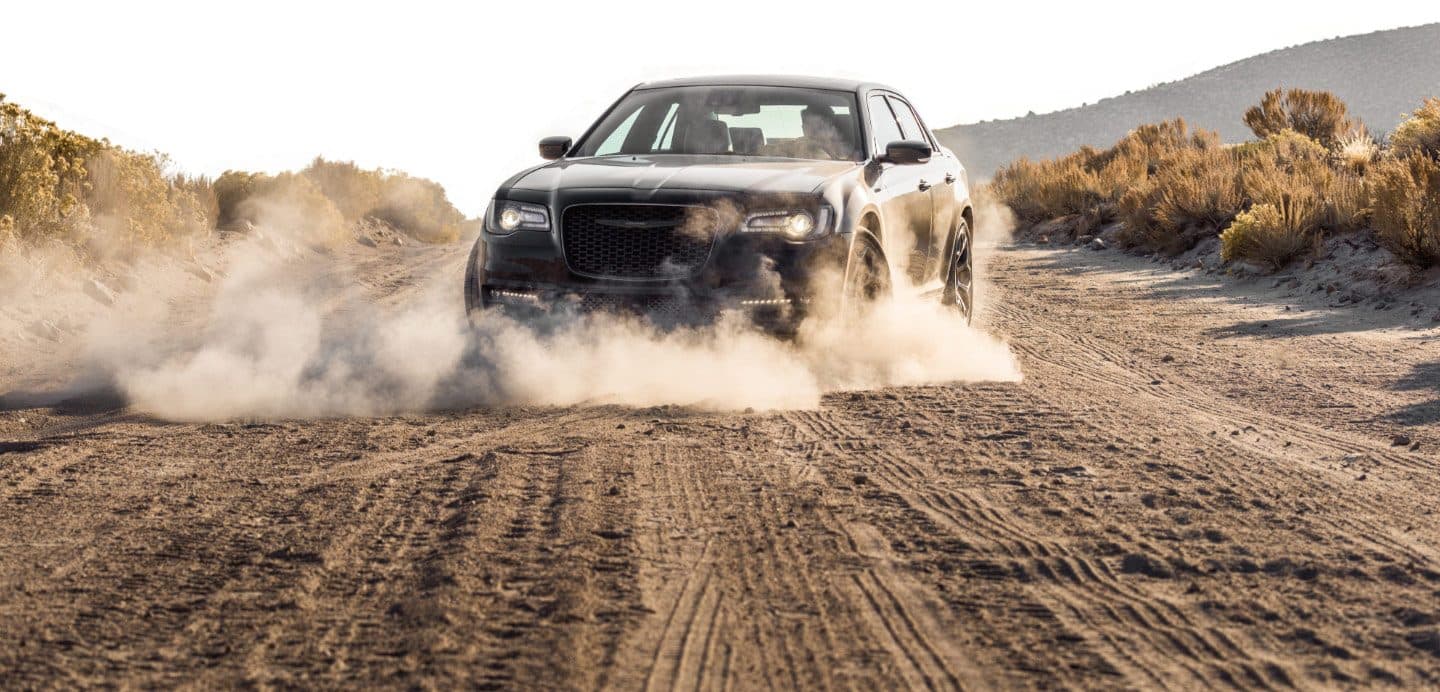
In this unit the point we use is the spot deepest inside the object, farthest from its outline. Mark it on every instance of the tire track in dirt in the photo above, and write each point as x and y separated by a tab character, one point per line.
1047	560
1083	529
1297	443
768	587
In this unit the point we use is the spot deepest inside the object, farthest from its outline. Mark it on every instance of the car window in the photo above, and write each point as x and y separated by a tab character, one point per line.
781	122
909	123
616	139
884	128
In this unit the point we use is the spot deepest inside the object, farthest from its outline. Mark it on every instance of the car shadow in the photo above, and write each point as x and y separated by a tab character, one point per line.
1422	378
1161	282
67	401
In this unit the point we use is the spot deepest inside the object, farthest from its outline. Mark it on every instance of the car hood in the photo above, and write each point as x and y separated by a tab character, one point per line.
671	172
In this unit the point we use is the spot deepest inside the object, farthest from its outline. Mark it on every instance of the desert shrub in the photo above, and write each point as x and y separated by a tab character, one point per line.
1319	115
230	189
288	204
1345	206
197	208
129	199
418	207
1137	212
1193	194
1031	188
9	239
1419	133
1287	149
1271	234
1198	188
332	190
1269	179
353	190
1405	208
1092	182
1356	152
104	201
42	174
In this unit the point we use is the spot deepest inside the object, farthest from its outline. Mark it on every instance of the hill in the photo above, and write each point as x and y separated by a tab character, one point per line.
1380	75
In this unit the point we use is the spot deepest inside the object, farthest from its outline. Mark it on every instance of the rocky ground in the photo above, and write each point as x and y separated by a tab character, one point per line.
1200	482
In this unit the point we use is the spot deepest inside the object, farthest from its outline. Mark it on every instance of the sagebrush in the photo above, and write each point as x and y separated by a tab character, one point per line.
1313	171
106	201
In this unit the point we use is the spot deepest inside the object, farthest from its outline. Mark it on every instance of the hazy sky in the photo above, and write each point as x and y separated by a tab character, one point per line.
460	93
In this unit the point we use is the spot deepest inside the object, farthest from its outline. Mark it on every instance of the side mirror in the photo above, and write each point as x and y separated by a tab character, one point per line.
907	151
552	148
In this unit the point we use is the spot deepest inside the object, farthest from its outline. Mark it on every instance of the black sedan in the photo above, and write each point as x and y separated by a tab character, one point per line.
775	196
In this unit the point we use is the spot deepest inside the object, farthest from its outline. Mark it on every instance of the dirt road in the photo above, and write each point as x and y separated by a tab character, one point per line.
1196	485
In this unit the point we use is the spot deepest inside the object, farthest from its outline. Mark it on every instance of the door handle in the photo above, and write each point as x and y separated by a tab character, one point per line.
924	185
949	178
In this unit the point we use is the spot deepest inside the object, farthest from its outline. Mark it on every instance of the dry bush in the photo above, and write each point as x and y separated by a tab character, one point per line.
1271	234
1093	182
1039	191
1419	133
9	239
1356	152
288	204
1199	188
197	207
1267	180
94	196
1405	208
420	208
42	174
415	206
129	199
1137	211
1193	194
355	191
1346	204
1319	115
107	201
1288	149
230	189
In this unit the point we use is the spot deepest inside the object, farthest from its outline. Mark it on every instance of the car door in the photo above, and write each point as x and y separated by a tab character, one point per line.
940	181
903	194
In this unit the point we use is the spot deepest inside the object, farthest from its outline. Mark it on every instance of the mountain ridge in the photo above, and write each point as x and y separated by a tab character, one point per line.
1381	75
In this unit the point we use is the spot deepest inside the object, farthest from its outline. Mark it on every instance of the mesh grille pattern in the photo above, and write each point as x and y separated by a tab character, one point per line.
637	241
661	309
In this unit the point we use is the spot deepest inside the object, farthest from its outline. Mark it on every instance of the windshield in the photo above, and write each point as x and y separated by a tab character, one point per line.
732	121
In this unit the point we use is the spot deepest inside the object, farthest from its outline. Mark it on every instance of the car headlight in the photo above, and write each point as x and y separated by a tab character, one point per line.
793	224
519	216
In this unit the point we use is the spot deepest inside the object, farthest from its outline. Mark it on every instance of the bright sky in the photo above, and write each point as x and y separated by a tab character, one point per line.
461	92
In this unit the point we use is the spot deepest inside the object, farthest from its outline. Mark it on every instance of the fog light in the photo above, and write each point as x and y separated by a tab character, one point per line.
770	302
504	296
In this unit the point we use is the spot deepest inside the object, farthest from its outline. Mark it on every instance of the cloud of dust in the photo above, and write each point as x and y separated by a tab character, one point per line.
297	334
995	226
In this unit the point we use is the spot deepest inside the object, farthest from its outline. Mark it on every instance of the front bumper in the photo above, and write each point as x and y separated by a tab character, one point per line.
666	310
772	281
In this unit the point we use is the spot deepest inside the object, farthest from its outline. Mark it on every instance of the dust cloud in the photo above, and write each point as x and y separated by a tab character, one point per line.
294	333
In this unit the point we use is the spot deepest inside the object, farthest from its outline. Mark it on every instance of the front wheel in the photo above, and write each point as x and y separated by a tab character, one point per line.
960	274
867	279
472	284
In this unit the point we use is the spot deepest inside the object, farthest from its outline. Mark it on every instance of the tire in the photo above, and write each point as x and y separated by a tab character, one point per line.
471	289
959	292
867	278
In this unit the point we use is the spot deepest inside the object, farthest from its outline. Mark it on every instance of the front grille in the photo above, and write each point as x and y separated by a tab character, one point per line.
638	241
660	309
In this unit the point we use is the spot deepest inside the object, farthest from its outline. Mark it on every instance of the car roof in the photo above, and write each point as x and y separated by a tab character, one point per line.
768	80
